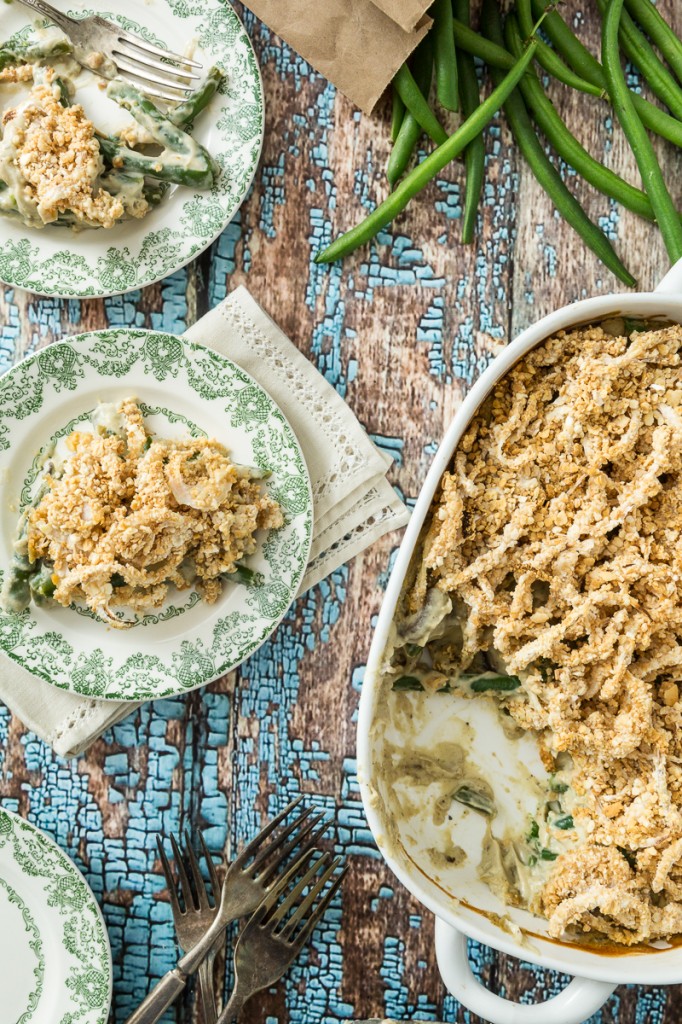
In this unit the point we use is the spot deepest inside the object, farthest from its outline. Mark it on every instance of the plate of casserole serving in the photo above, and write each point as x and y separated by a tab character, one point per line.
156	519
56	962
103	190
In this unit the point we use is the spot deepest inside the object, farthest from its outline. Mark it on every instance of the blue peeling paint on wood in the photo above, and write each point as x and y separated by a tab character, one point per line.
208	759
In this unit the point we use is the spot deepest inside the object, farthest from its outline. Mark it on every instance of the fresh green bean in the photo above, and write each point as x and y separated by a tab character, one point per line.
397	113
582	61
415	181
474	154
564	823
402	151
649	169
541	166
497	57
570	47
548	58
640	52
410	129
183	114
415	102
659	31
474	798
486	683
445	55
478	46
548	854
566	145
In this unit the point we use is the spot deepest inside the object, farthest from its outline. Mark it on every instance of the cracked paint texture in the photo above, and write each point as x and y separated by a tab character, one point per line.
401	330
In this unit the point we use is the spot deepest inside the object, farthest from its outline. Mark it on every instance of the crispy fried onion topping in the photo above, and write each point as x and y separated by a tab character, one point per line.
558	534
129	515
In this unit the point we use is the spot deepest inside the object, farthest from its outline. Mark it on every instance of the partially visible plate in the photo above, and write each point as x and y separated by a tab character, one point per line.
54	948
185	389
57	261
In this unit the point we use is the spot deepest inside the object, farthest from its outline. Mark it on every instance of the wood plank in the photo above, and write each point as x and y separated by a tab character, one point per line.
402	329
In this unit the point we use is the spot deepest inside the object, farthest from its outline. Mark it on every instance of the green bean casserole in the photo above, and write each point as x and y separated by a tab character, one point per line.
549	582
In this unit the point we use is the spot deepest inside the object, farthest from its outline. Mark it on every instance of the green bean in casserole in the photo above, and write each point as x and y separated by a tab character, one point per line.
56	169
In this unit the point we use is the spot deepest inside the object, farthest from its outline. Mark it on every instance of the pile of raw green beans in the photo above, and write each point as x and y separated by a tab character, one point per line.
519	60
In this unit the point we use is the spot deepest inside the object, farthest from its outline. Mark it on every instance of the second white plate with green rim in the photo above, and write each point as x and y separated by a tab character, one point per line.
54	948
94	263
185	389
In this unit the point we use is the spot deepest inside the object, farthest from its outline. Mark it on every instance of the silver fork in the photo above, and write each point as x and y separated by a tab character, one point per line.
276	933
247	880
193	913
124	54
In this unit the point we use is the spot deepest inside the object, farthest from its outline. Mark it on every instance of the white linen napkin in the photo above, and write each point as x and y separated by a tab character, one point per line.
353	502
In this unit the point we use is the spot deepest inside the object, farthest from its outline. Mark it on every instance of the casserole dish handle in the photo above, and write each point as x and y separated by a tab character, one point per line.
578	1001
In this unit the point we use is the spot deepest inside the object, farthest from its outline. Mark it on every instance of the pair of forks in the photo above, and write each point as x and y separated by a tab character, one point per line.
284	907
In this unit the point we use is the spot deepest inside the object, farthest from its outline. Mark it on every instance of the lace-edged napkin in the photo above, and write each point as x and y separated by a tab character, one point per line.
354	503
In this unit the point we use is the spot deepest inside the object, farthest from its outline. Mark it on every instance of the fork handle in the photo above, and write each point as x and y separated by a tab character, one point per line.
234	1004
48	11
165	992
207	989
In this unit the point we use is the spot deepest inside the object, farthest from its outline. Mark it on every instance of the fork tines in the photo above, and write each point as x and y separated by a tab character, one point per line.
292	915
153	66
269	857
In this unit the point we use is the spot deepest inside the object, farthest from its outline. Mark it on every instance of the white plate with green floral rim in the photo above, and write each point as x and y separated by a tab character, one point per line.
185	389
59	262
54	948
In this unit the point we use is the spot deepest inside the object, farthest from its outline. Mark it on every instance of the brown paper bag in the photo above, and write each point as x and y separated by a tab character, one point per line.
351	42
406	13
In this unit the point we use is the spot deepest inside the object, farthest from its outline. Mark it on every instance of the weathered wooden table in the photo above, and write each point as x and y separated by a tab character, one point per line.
401	330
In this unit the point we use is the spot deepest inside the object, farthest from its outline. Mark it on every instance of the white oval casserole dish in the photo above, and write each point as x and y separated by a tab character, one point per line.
463	914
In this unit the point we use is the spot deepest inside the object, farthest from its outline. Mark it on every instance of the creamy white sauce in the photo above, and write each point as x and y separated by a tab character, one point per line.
108	117
431	744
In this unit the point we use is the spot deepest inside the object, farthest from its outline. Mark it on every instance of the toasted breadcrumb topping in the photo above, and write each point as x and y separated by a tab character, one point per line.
559	531
17	73
57	157
130	515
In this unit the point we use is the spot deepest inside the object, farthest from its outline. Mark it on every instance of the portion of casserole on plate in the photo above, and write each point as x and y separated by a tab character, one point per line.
550	580
57	169
122	515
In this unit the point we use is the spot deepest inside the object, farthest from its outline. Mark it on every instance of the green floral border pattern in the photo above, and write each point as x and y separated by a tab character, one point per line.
35	945
83	934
